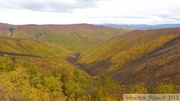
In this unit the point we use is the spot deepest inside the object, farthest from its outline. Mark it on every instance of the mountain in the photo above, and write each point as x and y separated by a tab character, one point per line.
74	38
151	57
142	26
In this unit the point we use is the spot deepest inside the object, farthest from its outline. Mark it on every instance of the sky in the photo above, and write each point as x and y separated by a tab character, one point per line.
90	11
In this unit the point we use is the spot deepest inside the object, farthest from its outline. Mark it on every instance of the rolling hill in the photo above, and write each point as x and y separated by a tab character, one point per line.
75	38
151	57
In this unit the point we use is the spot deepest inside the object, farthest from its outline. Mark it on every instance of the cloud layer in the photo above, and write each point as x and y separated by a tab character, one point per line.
90	11
47	5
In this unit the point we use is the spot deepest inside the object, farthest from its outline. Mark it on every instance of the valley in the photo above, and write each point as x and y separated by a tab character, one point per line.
83	62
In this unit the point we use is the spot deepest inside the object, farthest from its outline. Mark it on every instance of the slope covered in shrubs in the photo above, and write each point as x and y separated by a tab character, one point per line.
139	56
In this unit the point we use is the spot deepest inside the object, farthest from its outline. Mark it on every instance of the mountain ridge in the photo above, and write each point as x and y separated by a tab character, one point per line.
142	26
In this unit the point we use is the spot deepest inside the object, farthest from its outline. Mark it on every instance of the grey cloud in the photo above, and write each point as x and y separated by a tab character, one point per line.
48	5
122	17
177	19
32	5
174	19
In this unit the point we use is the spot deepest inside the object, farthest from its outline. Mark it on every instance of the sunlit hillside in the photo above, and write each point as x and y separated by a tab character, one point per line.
71	37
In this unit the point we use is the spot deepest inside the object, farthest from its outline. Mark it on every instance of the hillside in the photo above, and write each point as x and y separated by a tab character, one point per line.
34	66
25	48
150	57
31	47
75	38
31	70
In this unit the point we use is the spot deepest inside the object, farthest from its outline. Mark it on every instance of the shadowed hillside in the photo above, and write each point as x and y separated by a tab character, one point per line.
138	56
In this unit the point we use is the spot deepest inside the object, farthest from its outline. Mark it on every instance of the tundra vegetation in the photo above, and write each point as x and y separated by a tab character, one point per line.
86	62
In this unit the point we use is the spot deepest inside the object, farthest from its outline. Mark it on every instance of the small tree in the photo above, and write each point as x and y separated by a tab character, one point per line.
11	29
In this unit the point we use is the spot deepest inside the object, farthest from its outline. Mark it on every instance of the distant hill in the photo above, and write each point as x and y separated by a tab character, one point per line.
74	38
142	26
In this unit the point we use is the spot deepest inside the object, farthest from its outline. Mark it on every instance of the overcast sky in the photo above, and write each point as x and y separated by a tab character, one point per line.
90	11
